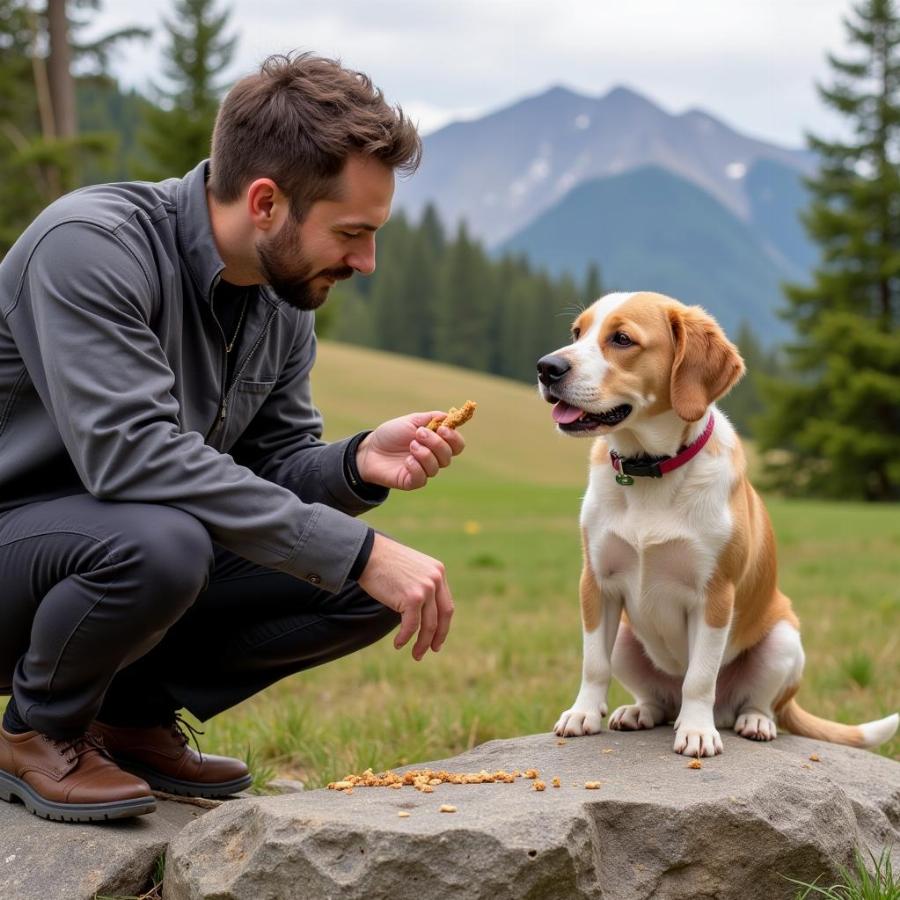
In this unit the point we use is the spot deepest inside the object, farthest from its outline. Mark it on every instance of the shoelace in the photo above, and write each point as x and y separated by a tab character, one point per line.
179	726
77	746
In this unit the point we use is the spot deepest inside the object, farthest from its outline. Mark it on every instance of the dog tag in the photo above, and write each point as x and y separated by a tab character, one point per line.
622	478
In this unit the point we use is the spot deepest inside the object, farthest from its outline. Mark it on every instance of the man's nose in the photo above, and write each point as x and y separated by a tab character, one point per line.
363	261
551	368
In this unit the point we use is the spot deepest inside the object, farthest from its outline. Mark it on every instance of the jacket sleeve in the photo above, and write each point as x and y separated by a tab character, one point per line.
80	319
283	442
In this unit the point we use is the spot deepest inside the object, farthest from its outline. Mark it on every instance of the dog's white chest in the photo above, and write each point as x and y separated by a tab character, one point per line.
657	558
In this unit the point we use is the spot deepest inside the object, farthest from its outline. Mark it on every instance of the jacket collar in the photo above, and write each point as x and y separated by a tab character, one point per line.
195	237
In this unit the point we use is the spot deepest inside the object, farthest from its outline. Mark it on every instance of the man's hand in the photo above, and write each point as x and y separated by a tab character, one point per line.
404	454
414	585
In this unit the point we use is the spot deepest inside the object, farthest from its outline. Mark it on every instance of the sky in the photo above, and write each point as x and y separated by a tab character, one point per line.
751	63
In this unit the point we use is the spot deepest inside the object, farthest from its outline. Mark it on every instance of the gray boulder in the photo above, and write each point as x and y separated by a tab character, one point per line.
41	860
736	828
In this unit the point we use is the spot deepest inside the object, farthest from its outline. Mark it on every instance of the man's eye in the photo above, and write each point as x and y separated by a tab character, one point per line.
350	234
620	339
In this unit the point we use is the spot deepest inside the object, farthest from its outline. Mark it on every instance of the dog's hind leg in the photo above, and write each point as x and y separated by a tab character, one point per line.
751	685
657	695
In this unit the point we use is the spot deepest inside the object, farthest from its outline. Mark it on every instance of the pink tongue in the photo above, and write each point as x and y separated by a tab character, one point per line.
563	414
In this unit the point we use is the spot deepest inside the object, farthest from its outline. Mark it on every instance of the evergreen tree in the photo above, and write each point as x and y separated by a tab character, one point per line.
178	132
42	154
840	419
462	314
593	285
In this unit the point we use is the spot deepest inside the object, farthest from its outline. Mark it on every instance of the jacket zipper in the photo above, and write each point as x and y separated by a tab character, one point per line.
227	390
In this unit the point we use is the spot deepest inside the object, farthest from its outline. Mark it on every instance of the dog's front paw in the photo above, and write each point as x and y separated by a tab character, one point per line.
579	720
697	739
635	717
755	725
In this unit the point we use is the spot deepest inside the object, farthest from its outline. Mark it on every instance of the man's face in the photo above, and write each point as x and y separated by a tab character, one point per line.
337	237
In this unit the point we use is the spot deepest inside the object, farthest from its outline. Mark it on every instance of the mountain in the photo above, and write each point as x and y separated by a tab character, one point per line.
652	230
502	171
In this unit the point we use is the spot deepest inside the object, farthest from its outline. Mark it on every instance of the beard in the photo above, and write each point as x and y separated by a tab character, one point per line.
289	272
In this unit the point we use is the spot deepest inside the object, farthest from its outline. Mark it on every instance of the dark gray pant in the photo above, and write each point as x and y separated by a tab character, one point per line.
132	604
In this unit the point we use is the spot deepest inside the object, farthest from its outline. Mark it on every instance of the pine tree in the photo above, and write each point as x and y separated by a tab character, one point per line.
42	153
593	284
178	132
839	419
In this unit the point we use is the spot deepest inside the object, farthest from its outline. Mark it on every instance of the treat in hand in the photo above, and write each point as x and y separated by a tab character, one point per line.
455	417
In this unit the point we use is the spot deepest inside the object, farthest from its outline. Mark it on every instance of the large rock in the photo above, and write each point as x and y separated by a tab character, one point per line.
656	828
42	860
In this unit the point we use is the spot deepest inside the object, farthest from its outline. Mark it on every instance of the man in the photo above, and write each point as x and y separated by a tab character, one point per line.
173	532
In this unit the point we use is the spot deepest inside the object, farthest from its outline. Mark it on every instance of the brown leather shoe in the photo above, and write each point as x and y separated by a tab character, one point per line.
69	781
162	757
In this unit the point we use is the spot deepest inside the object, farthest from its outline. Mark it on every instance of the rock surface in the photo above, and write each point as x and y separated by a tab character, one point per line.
656	828
42	860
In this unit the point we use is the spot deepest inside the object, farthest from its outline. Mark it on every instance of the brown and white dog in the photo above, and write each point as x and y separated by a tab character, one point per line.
675	537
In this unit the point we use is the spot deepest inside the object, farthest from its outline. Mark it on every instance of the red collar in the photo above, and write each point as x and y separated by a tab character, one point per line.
625	468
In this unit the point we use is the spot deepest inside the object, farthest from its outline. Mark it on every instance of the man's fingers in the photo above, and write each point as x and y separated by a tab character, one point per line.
444	604
427	627
409	624
417	475
426	458
453	438
437	444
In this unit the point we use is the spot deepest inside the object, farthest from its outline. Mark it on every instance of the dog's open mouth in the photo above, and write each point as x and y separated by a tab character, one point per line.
572	419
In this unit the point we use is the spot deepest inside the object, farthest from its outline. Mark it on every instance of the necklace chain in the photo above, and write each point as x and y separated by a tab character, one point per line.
230	345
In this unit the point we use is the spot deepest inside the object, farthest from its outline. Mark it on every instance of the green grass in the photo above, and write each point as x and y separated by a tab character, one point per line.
858	883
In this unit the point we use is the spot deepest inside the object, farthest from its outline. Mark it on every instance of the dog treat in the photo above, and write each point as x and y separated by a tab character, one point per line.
531	773
814	757
539	786
447	808
402	814
592	785
555	782
455	417
695	764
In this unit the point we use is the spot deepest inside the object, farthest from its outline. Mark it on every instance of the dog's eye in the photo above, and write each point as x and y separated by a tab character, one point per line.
620	339
576	333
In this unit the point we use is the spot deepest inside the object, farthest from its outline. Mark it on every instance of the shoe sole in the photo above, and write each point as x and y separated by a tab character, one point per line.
161	782
14	789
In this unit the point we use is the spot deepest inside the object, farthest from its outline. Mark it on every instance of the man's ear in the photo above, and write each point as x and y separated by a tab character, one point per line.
706	365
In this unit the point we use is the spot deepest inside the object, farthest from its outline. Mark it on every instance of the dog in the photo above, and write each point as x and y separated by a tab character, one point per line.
679	597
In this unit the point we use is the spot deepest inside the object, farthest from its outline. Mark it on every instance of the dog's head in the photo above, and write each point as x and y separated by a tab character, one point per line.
634	356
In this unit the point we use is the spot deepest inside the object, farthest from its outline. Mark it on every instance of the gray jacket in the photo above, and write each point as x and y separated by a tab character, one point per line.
112	380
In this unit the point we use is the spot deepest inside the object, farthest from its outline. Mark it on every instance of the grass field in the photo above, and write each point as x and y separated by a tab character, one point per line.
504	521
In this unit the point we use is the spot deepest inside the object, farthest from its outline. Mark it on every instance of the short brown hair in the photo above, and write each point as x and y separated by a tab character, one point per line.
296	121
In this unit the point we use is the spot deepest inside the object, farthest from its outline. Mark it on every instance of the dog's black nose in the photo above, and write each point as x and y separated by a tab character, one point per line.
551	368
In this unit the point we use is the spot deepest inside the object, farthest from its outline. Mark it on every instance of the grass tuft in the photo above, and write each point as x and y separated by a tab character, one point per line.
858	883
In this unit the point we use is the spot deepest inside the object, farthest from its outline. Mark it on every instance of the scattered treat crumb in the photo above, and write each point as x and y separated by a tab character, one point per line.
539	786
814	757
560	743
531	773
555	782
592	785
402	814
695	764
610	750
447	808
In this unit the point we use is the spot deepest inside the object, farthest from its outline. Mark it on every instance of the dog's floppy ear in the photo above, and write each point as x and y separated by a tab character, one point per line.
706	365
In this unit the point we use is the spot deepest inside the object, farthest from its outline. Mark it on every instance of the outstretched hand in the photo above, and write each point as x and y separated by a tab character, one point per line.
415	586
402	453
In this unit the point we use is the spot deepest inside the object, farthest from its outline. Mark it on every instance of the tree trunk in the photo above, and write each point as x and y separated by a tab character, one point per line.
59	73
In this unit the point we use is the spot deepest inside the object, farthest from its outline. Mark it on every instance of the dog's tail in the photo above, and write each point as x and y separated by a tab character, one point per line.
798	721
